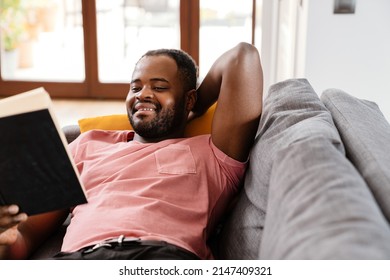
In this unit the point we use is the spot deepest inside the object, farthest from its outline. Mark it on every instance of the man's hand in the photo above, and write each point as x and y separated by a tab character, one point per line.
9	219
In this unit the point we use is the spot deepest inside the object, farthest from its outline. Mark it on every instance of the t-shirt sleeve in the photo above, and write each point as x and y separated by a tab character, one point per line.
233	169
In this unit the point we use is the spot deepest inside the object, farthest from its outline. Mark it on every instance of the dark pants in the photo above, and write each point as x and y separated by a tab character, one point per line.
129	251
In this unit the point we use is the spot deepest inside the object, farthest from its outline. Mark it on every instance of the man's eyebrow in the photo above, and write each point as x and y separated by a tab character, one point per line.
152	80
134	81
159	80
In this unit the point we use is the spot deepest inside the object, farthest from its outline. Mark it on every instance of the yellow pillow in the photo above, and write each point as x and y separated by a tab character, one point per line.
198	126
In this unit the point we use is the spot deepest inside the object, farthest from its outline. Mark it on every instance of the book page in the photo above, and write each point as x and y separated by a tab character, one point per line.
33	100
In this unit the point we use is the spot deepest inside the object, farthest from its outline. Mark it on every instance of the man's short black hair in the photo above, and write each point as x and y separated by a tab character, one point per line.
186	65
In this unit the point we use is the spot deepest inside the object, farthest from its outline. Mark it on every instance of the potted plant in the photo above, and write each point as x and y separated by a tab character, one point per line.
12	31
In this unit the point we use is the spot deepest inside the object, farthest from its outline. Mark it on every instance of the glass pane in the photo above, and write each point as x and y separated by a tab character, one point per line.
129	28
42	40
223	24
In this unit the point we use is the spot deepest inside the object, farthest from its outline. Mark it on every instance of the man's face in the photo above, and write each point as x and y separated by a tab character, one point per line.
156	103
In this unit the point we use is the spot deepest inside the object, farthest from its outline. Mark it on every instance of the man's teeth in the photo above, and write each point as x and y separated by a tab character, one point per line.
146	109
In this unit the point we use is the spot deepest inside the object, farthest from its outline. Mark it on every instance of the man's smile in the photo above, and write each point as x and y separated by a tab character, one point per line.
144	109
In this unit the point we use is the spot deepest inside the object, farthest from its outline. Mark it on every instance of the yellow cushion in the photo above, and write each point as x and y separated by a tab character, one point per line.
198	126
109	122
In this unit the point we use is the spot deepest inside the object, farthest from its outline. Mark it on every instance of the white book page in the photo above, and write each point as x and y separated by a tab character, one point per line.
33	100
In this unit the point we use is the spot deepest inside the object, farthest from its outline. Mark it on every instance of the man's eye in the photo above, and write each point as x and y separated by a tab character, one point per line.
135	89
160	88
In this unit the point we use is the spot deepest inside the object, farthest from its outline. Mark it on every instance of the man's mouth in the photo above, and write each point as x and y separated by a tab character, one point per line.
144	108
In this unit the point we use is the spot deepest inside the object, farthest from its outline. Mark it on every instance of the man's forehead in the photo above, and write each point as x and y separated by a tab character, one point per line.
156	63
156	67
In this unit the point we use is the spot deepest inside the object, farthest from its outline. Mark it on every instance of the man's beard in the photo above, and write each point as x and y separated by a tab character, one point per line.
163	124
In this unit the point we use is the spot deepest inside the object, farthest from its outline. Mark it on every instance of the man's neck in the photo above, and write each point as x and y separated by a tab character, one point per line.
145	140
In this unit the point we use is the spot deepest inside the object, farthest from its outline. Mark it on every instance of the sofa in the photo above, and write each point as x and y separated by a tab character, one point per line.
317	184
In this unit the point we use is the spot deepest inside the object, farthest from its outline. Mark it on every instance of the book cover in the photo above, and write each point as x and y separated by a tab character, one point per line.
37	171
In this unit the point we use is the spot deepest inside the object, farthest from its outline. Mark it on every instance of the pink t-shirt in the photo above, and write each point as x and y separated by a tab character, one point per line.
174	190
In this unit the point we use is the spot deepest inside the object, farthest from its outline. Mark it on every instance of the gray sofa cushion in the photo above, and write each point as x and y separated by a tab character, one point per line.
366	134
319	207
302	198
71	132
286	109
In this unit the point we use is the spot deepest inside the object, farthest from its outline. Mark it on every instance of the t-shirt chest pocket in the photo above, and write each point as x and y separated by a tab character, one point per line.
175	159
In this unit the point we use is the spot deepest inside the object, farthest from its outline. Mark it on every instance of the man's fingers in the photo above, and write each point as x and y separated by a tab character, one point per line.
13	209
9	217
10	209
12	219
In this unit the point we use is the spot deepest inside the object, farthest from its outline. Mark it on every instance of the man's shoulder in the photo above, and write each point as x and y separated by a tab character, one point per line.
106	135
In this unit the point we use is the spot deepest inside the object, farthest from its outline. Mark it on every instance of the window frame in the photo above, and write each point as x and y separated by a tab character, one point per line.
91	87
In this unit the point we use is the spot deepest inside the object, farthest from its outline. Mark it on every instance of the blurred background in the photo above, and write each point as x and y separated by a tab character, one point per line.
86	50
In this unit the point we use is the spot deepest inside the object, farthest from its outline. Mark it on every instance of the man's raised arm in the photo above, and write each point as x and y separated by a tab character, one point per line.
236	81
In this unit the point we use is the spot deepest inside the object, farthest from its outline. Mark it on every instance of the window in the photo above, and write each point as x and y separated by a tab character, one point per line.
221	27
88	48
139	25
42	41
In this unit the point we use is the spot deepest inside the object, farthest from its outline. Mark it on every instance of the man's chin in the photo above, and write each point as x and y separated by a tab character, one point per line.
143	128
148	131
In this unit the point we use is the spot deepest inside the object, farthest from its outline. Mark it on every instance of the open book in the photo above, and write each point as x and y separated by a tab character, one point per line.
37	171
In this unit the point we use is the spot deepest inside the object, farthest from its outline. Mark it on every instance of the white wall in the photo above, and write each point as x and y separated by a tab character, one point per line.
350	51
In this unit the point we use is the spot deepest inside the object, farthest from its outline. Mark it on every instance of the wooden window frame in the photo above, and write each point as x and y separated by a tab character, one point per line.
91	87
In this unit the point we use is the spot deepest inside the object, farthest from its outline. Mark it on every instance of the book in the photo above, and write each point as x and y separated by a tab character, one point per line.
37	171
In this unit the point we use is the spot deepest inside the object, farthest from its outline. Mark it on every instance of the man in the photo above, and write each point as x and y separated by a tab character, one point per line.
153	194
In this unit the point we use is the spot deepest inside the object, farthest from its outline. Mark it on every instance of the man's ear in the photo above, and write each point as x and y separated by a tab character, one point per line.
192	95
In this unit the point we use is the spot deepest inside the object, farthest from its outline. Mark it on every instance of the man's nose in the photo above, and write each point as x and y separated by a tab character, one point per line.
145	93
